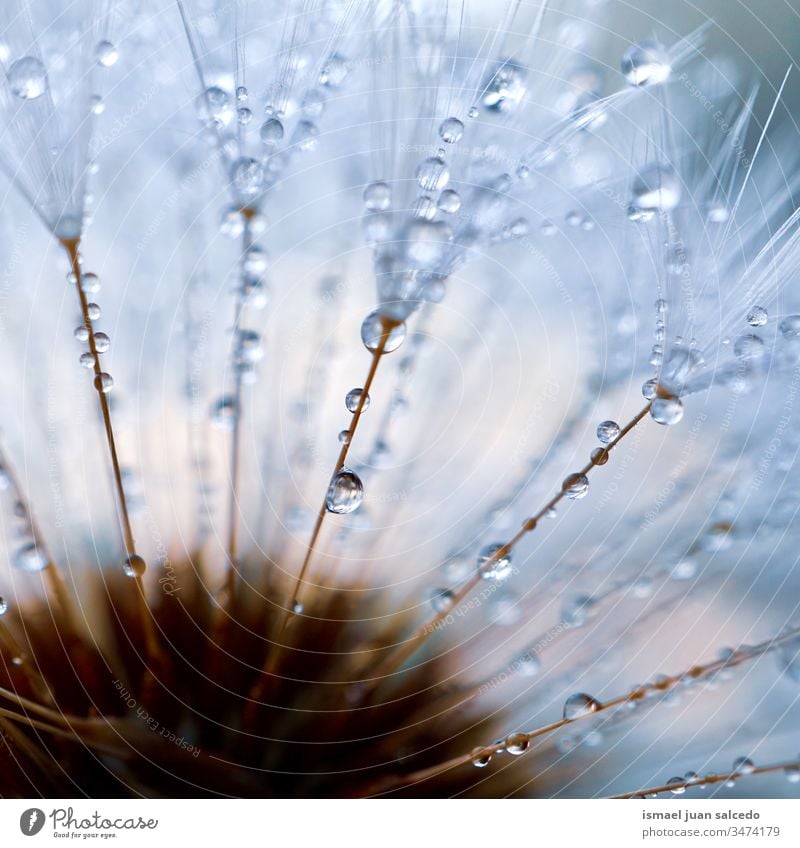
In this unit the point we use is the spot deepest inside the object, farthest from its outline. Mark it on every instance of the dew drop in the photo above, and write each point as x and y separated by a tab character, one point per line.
666	411
579	705
297	608
30	558
451	130
96	105
449	201
345	492
247	176
656	189
599	456
749	347
90	283
271	132
528	665
492	567
645	63
480	757
106	54
87	359
433	174
94	311
81	333
344	437
102	342
607	431
372	331
649	389
223	413
792	774
134	566
214	103
27	78
3	605
575	486
743	765
790	327
442	600
757	316
104	382
377	196
677	785
503	87
516	744
353	398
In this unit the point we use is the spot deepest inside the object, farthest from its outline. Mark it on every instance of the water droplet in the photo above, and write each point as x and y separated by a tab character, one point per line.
480	757
3	605
575	486
297	608
646	63
30	558
271	132
96	104
373	330
87	359
607	431
743	765
503	87
104	382
757	316
599	456
377	196
433	174
493	567
528	665
442	600
666	411
247	176
102	342
717	213
790	327
578	610
677	784
90	283
95	313
353	398
656	189
27	78
81	333
244	116
134	566
451	130
345	492
425	207
449	201
106	54
749	347
334	72
792	774
255	260
223	413
214	104
344	437
649	389
579	705
516	744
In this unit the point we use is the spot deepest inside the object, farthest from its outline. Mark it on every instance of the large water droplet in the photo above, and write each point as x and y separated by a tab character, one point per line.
27	78
757	316
480	757
607	431
656	189
271	132
493	567
247	176
575	486
214	103
104	383
106	54
579	705
749	347
377	196
790	327
667	411
451	130
503	87
516	744
30	558
743	765
373	329
134	566
345	492
352	399
646	63
433	174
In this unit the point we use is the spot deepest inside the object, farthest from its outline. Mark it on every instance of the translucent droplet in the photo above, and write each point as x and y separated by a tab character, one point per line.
134	566
425	207
449	201
578	610
255	260
30	558
223	413
214	103
493	567
649	389
749	347
792	774
757	316
345	492
575	486
442	600
247	176
743	765
344	437
666	411
81	333
334	72
599	456
516	744
96	104
3	605
480	757
102	342
717	213
656	189
677	784
433	174
95	313
503	87
607	431
790	327
377	196
104	382
90	283
27	78
271	132
298	608
244	115
373	329
646	63
106	54
579	705
87	359
451	130
528	665
352	399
